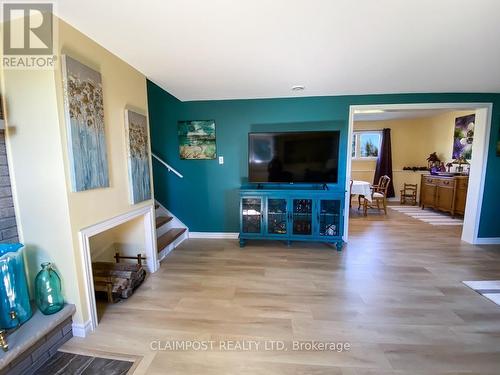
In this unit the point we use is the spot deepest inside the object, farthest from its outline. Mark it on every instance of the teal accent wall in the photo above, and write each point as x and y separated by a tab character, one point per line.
206	199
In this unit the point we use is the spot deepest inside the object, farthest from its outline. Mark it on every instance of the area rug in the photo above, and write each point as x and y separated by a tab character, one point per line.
68	363
489	289
428	215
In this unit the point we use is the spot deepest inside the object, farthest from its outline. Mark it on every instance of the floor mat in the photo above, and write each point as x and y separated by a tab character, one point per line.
68	363
428	216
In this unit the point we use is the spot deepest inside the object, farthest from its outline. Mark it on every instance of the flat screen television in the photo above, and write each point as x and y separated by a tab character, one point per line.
293	157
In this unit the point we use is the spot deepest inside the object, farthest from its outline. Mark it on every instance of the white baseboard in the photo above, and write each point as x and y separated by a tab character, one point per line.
487	241
219	235
81	330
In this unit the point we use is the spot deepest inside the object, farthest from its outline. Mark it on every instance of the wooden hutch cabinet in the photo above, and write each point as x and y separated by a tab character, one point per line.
446	194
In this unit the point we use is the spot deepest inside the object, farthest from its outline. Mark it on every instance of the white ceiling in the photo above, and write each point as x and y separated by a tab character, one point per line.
223	49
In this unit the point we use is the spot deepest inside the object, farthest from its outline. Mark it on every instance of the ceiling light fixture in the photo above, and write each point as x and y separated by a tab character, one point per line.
369	111
298	88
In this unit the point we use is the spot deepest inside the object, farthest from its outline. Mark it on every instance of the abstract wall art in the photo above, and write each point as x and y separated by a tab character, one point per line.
84	110
138	156
463	137
197	139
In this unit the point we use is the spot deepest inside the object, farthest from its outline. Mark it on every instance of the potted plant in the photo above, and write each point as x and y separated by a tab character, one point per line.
433	162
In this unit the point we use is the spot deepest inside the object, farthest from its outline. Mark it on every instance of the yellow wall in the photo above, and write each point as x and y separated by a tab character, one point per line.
50	215
127	239
123	86
412	140
37	174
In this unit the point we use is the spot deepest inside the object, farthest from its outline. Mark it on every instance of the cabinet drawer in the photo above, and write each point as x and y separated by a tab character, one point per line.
429	180
445	182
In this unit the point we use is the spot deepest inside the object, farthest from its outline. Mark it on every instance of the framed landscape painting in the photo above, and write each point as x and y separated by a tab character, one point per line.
197	139
138	156
84	110
463	137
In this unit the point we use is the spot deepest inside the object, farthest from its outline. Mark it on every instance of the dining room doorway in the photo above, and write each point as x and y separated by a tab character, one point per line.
416	132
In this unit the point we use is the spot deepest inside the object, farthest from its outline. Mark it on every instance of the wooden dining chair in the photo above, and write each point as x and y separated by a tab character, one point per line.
409	194
379	194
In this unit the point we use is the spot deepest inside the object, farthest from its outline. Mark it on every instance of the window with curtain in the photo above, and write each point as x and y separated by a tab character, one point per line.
366	144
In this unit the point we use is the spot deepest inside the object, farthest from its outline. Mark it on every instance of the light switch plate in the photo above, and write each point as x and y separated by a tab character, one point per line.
221	160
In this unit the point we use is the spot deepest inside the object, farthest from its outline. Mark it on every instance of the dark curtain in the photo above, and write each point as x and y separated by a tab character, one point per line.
384	162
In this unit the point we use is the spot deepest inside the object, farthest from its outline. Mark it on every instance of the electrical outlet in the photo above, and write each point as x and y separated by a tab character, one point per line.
221	160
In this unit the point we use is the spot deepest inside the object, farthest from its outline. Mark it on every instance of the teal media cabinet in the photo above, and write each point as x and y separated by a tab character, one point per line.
292	215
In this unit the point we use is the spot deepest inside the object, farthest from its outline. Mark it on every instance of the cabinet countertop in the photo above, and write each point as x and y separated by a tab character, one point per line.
438	176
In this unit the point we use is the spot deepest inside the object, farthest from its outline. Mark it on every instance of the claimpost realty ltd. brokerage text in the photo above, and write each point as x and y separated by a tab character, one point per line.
249	345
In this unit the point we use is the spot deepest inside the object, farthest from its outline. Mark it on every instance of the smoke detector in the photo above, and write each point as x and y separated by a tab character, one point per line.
298	88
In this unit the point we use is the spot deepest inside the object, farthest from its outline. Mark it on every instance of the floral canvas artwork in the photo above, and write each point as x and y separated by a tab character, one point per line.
138	157
197	139
463	137
84	109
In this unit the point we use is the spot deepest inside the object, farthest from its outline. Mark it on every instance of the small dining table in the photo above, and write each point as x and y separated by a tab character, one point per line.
362	188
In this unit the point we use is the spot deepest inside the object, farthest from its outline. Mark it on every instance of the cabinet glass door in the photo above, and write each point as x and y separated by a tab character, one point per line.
251	215
277	221
329	217
302	216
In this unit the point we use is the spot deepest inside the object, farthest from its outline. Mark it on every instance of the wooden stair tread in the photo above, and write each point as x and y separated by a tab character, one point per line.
161	220
169	237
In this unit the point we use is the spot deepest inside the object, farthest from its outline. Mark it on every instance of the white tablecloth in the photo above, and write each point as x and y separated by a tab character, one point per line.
362	188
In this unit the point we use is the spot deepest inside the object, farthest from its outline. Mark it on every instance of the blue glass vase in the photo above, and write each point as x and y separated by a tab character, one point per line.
48	295
15	306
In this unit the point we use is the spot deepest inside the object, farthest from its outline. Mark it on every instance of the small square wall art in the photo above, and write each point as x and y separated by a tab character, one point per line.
197	139
138	156
84	110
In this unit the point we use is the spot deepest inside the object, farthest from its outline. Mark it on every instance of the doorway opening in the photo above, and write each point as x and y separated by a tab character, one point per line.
442	192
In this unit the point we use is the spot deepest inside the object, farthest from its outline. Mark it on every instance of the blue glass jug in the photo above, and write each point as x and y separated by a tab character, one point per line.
15	306
48	295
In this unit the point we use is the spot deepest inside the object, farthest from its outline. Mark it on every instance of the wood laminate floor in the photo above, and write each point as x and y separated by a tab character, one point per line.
394	294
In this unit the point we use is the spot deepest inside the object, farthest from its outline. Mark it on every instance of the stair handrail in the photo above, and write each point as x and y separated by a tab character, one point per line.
166	165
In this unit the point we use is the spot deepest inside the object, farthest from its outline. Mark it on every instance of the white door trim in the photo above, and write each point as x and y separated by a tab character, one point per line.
84	236
478	162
